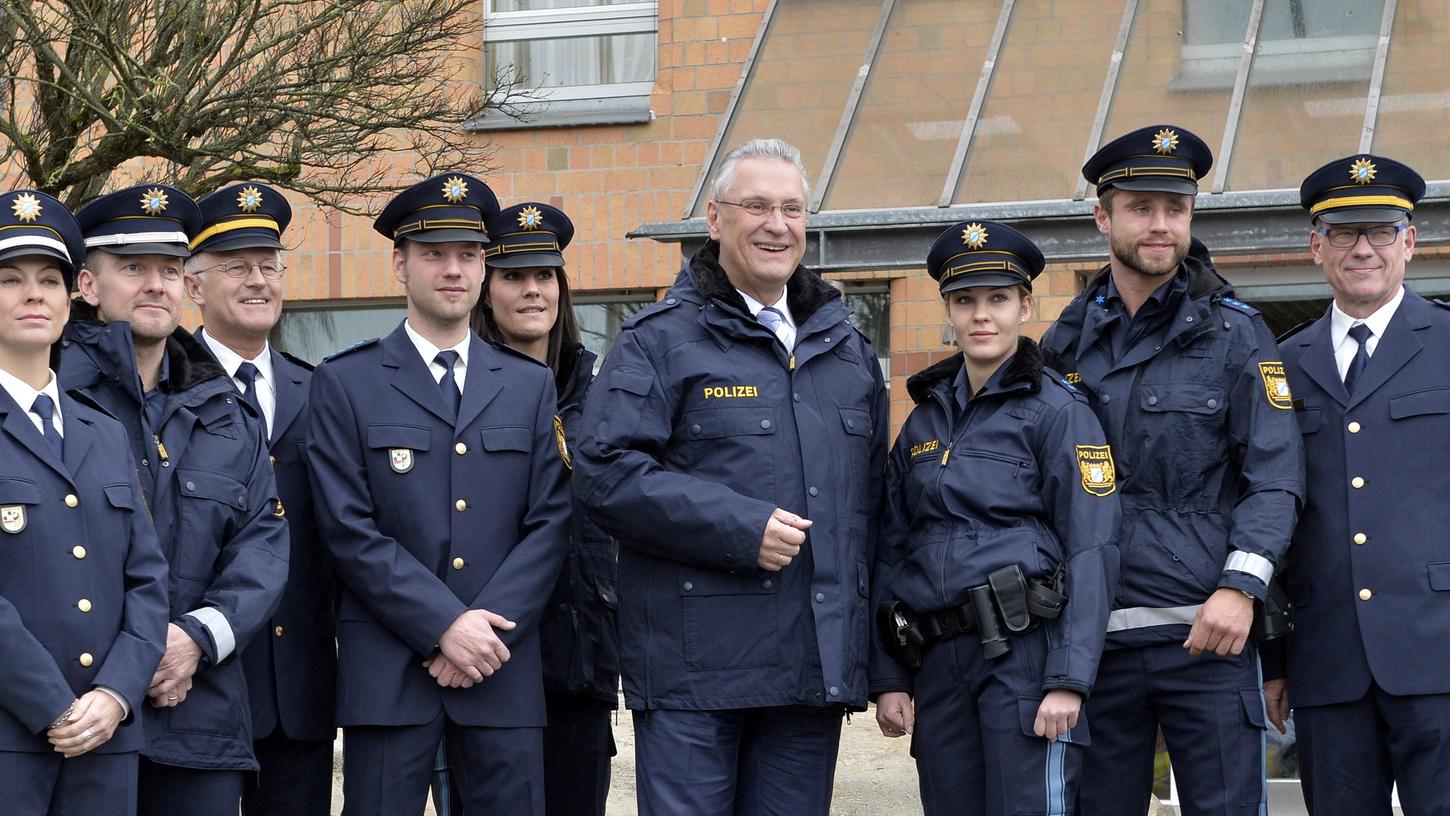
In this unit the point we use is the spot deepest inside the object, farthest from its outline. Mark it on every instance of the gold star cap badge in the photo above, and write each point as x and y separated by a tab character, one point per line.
975	236
249	199
454	189
26	207
1362	171
153	201
1165	141
530	218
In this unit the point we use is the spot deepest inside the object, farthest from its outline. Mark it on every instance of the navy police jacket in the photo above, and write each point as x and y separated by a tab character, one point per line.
74	531
291	666
1022	476
700	424
580	631
427	518
213	497
1198	412
1369	572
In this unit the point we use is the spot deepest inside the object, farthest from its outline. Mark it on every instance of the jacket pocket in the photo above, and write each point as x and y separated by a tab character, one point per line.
1027	719
1420	403
411	437
1309	420
1439	573
210	502
120	496
730	620
507	438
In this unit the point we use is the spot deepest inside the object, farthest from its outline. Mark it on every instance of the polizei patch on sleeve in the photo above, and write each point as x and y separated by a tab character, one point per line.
1096	464
1276	385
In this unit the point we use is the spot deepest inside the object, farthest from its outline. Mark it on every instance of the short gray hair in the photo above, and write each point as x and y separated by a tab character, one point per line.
757	149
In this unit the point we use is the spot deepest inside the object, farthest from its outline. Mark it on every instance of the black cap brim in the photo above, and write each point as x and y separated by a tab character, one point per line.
978	280
1364	215
241	242
1159	184
446	236
173	250
31	249
524	260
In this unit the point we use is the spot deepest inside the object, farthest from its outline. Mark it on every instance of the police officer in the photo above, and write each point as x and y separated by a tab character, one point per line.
234	275
734	444
203	466
1190	392
1000	475
526	305
82	580
1369	575
444	498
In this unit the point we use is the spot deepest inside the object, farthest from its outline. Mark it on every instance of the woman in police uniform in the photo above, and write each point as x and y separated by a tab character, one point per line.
82	595
526	307
1001	498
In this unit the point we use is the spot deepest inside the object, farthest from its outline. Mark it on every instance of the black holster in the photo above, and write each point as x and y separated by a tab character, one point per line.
1274	618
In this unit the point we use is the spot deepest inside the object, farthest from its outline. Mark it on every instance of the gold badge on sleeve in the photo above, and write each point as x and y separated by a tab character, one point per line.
1096	464
1276	384
12	518
401	459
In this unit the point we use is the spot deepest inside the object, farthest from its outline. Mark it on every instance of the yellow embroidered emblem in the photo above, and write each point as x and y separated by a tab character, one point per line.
975	236
154	201
1276	384
1362	171
1096	464
530	218
249	199
454	189
1073	377
26	207
731	391
1165	141
563	444
929	446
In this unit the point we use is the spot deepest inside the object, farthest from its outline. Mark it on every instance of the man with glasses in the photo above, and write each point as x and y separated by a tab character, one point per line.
1368	671
735	443
202	457
234	275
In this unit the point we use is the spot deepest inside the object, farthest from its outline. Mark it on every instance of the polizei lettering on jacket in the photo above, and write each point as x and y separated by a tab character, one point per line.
731	391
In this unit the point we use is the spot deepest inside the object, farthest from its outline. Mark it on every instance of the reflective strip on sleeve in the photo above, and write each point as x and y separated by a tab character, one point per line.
1142	617
221	631
1255	565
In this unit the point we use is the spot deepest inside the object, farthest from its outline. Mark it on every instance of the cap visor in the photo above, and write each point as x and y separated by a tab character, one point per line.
174	250
980	279
522	260
27	249
1160	184
240	242
448	236
1364	215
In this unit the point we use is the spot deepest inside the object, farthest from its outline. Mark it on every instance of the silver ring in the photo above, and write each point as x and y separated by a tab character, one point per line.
86	734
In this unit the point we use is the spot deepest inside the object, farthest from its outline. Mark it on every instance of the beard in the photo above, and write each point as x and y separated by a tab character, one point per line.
1128	254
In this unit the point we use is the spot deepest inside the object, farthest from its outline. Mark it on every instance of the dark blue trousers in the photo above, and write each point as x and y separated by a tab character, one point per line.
1351	754
578	745
48	784
737	762
166	790
295	779
976	753
386	769
1211	710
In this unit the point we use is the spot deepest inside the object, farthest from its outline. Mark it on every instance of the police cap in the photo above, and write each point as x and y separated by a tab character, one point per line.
443	209
530	234
243	216
983	253
148	219
1361	189
33	223
1157	158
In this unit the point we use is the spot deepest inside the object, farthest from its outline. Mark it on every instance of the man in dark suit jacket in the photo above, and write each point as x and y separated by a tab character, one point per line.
235	276
443	496
1368	672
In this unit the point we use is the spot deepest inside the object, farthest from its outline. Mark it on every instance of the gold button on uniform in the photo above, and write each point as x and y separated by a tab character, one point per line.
460	449
78	551
458	563
461	505
1357	482
279	630
83	605
71	500
1354	427
86	659
1360	538
1365	594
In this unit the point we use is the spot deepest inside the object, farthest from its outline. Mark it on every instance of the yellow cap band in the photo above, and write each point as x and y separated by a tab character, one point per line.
1362	201
235	224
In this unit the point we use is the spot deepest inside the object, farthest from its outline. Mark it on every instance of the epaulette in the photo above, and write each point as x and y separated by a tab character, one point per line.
1239	305
513	352
350	349
1301	327
1438	302
297	361
656	308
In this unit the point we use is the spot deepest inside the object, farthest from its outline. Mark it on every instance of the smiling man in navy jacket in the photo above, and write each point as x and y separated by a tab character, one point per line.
443	495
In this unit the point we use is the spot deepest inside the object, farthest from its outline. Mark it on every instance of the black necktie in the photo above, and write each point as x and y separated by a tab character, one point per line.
247	373
1361	334
447	383
44	408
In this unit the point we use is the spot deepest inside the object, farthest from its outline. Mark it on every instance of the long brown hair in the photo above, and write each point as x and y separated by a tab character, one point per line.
565	331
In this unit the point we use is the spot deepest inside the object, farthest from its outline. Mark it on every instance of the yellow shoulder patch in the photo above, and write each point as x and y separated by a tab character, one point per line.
1276	384
1096	464
563	445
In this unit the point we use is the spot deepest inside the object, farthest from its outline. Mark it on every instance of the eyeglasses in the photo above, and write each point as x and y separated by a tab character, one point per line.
241	269
1346	237
761	209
